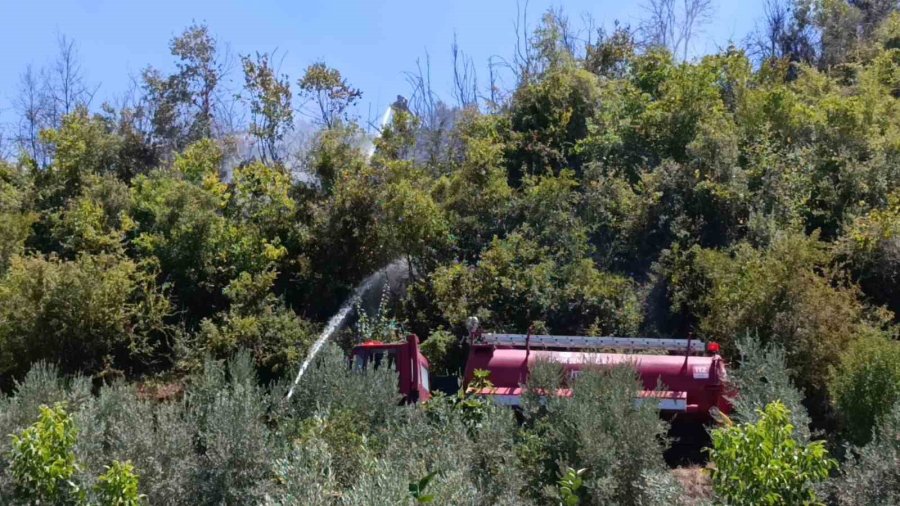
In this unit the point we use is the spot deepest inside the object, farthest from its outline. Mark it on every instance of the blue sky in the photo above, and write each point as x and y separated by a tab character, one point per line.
373	42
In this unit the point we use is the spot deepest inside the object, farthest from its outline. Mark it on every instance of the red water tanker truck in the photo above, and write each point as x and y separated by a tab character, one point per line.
692	373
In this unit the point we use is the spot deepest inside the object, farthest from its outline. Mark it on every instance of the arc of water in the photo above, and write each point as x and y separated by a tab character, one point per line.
337	321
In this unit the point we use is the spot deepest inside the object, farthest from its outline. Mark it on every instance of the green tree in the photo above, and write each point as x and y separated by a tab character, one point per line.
330	93
96	220
118	486
257	321
548	209
270	104
548	118
183	227
764	463
516	283
84	145
847	27
200	163
348	237
476	195
333	151
444	352
42	460
610	55
261	198
397	141
416	223
183	105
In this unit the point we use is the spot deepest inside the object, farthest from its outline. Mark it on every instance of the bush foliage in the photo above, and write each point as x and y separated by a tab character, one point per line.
871	476
866	385
42	460
764	463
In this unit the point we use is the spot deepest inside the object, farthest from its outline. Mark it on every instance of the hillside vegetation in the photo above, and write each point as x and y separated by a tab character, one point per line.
160	283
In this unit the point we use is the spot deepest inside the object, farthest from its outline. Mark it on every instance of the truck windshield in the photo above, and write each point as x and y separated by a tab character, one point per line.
423	374
376	359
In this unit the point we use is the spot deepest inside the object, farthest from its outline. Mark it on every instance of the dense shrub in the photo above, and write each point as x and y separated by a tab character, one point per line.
866	384
330	385
212	445
90	314
762	377
780	294
158	440
42	385
764	463
871	244
599	428
257	321
872	474
474	457
42	460
517	283
305	476
358	456
225	411
118	486
444	352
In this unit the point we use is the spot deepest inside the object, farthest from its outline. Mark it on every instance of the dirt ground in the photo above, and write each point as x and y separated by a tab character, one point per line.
695	482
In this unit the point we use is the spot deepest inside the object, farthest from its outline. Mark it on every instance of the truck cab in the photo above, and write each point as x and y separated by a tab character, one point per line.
404	358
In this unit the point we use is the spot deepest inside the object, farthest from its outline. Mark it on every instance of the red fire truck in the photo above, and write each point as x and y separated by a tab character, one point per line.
692	372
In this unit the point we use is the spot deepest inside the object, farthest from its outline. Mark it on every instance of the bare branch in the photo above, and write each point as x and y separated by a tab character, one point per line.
786	34
32	107
423	100
465	78
696	13
673	25
523	58
68	90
